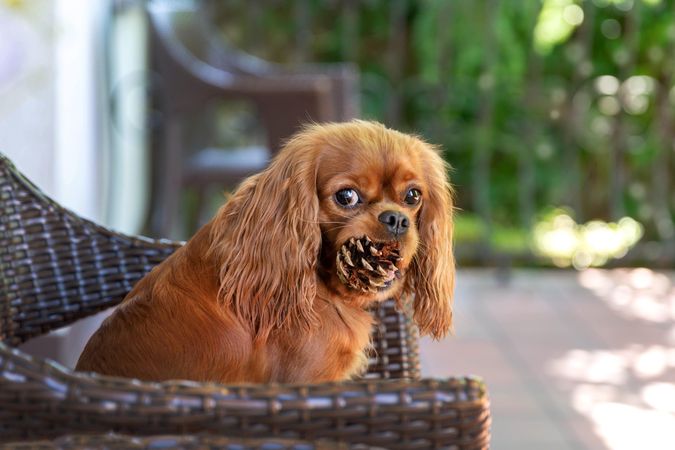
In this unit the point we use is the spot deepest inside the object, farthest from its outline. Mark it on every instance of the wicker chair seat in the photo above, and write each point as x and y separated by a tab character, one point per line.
114	441
56	268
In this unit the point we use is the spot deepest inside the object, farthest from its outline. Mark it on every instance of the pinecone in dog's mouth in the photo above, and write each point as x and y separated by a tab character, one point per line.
368	266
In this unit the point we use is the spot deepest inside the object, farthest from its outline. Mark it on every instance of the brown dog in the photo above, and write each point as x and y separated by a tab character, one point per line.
255	296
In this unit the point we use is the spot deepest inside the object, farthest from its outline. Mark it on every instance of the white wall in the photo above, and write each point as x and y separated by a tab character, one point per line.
51	121
27	89
128	134
81	145
54	105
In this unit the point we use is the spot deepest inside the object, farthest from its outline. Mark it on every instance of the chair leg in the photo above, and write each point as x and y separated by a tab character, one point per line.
168	171
196	217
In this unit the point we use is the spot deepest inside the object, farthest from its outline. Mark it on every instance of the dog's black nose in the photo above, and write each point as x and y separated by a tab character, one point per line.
396	223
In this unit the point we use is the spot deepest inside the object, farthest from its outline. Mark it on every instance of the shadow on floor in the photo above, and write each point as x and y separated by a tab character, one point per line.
573	360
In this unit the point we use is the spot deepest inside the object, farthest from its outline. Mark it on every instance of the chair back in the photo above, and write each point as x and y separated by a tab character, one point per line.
56	267
187	50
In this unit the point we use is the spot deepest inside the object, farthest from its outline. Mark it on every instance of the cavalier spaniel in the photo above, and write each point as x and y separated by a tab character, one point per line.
277	286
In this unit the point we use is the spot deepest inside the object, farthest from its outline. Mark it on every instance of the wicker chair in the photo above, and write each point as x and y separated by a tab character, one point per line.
113	441
56	268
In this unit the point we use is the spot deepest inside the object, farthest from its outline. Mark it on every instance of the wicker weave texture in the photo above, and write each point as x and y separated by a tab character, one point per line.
56	267
113	441
53	401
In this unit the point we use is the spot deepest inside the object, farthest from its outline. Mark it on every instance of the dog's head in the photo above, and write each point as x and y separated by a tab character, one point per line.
362	209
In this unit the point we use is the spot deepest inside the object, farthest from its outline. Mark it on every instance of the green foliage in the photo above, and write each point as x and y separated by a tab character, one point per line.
510	240
513	91
469	228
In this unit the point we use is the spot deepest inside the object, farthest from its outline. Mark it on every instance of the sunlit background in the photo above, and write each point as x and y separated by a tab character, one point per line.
539	106
557	117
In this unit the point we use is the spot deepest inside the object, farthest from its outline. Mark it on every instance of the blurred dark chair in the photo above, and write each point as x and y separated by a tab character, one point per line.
194	66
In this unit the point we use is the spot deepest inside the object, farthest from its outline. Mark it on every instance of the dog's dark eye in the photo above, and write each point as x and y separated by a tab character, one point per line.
412	197
347	197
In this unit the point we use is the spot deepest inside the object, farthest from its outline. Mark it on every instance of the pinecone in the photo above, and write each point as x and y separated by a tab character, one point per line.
368	266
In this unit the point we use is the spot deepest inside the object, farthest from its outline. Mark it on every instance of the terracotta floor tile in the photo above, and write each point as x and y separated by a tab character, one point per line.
569	357
530	433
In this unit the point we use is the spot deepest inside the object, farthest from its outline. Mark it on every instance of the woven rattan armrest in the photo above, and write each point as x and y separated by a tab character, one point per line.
40	399
114	441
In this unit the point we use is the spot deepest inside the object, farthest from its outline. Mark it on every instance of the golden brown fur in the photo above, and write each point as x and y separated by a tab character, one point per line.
254	295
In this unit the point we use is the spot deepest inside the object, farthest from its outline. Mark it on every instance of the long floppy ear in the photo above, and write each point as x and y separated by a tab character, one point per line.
266	240
432	275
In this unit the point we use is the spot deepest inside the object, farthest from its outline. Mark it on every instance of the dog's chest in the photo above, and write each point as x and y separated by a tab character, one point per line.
346	339
334	350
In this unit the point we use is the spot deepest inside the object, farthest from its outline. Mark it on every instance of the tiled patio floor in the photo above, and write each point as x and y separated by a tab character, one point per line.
573	360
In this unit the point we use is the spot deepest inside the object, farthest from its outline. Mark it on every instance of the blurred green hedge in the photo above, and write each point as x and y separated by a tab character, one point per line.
537	104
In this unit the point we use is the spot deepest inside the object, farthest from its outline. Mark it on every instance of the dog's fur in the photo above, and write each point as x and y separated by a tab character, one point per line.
254	295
